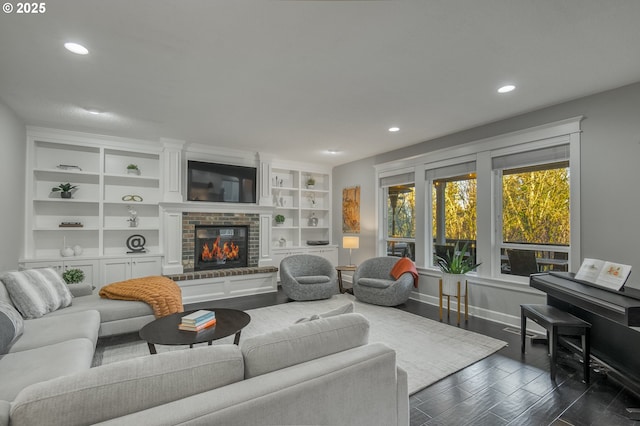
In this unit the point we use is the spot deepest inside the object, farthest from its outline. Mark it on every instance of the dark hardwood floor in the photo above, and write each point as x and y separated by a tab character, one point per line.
506	388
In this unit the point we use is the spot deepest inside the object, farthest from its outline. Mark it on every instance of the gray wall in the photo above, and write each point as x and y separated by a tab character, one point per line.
12	175
610	195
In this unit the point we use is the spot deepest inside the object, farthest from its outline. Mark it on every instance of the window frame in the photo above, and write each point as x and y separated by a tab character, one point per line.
430	176
398	177
563	132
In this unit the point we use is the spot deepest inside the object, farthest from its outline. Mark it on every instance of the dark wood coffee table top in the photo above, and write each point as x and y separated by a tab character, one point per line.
164	331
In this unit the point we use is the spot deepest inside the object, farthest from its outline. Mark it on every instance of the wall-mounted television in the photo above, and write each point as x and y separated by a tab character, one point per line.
222	183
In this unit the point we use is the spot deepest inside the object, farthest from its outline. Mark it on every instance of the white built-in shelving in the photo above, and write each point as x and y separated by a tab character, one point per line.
101	203
307	212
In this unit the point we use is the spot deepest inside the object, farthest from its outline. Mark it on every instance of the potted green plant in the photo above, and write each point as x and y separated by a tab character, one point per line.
73	276
279	219
65	189
311	182
133	169
454	266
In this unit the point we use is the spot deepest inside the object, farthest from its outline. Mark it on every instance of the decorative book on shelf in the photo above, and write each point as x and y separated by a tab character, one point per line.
198	320
70	225
603	273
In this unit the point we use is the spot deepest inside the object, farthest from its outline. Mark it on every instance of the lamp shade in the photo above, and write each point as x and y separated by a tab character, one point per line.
351	242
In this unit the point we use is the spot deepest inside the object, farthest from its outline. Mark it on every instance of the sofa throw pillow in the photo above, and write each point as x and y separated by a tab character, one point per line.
11	326
36	292
345	309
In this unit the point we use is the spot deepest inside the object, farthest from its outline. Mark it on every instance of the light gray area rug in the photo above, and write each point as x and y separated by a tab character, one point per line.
426	349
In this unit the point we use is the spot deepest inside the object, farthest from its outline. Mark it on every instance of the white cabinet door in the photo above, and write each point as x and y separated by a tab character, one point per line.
113	270
145	266
124	268
329	253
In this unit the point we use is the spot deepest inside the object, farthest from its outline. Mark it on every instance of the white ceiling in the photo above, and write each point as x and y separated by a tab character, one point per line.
296	78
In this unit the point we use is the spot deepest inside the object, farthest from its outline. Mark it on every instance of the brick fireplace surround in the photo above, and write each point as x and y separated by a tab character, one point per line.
189	222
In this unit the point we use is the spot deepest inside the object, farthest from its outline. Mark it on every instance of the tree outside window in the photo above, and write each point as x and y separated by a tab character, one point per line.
401	220
536	216
454	213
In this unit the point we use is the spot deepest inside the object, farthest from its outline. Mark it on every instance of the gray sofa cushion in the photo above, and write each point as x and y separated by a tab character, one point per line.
21	369
110	309
36	292
5	407
59	328
117	389
80	289
345	309
11	326
303	342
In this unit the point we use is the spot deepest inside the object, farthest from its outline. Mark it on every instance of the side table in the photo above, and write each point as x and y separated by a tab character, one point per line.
345	268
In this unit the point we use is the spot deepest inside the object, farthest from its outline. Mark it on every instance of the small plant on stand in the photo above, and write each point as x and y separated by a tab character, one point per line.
454	266
65	189
279	219
73	276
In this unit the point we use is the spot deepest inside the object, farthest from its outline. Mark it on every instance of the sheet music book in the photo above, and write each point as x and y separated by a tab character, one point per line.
603	273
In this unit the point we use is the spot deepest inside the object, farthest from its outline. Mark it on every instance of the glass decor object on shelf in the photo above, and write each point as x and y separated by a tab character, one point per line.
65	251
133	218
68	167
313	220
65	189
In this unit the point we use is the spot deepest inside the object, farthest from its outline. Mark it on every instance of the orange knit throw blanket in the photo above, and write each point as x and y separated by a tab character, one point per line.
161	293
403	266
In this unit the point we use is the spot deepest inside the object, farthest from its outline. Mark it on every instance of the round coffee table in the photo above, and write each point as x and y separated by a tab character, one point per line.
164	331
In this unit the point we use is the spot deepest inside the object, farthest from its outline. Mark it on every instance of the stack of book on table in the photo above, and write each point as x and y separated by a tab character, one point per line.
198	320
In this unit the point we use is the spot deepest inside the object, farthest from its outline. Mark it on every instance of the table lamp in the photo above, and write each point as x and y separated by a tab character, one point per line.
350	243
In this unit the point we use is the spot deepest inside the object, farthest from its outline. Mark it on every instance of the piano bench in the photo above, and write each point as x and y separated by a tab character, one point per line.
557	322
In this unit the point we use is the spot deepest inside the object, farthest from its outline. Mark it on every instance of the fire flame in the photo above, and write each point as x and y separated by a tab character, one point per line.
229	251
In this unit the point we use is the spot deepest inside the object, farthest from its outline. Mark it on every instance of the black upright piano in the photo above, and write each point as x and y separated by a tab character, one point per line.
614	317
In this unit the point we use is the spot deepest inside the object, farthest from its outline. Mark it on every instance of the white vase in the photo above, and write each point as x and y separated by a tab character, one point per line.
77	250
66	252
450	284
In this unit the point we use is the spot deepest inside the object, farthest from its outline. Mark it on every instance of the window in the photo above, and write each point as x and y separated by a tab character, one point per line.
453	206
535	215
514	198
400	195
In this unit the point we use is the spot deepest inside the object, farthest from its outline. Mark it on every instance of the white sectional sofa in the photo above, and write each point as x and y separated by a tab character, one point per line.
63	342
321	372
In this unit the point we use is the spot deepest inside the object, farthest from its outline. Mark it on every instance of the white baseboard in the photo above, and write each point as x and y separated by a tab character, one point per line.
499	317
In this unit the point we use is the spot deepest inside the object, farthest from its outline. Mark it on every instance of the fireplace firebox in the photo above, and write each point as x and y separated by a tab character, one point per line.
220	247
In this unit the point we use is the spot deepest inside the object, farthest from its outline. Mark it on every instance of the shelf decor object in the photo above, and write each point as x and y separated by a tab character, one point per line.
133	169
65	189
135	244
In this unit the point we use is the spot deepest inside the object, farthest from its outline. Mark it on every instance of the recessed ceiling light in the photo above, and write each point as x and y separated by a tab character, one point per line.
333	151
506	89
94	111
394	129
76	48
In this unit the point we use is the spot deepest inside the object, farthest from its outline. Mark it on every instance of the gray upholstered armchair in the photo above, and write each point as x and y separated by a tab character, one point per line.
373	283
308	277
